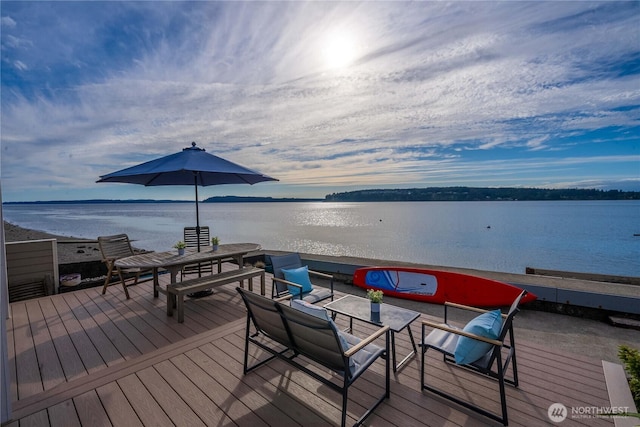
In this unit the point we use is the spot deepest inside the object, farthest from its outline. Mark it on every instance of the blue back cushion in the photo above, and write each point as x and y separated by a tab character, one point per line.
299	276
486	325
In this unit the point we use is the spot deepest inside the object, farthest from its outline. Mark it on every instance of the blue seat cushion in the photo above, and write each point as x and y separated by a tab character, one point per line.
301	277
311	309
487	325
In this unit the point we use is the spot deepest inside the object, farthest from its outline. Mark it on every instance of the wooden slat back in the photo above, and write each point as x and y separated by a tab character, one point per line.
115	247
191	237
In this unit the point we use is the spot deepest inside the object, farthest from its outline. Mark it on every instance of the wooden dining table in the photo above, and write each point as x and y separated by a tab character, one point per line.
172	262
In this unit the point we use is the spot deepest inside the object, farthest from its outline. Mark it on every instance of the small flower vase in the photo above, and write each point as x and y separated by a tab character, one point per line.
215	248
375	307
181	251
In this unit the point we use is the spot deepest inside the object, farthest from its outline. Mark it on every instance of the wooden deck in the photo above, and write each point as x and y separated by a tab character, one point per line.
81	358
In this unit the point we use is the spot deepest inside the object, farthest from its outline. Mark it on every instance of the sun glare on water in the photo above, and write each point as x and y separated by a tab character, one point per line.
339	49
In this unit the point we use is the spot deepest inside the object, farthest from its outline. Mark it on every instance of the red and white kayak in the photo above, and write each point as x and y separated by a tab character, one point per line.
438	287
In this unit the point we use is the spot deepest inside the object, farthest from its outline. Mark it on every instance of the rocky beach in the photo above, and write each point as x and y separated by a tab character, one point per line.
70	249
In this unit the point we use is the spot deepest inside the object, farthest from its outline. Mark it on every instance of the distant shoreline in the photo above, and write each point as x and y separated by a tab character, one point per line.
428	194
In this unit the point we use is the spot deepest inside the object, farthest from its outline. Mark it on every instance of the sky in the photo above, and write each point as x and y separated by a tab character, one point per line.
324	96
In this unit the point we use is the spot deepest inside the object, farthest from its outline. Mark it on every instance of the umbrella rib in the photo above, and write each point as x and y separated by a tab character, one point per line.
149	182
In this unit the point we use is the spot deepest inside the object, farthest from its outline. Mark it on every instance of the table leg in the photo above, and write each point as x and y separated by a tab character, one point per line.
408	356
156	283
240	261
171	298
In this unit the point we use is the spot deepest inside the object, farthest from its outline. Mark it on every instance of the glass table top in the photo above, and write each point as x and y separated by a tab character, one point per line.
359	308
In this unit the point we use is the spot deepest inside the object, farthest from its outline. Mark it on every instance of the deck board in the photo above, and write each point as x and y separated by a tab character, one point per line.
11	355
69	358
198	402
143	368
64	415
28	377
123	344
211	379
50	367
89	354
90	410
119	410
148	410
175	407
104	346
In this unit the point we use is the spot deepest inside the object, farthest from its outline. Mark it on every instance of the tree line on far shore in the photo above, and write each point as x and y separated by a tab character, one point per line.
445	194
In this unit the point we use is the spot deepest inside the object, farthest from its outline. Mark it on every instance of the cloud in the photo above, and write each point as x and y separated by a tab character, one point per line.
440	93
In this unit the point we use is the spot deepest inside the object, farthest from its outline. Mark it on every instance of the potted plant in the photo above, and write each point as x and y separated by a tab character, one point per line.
215	241
180	247
376	299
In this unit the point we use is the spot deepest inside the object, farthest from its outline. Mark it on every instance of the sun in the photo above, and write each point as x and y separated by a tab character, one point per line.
339	49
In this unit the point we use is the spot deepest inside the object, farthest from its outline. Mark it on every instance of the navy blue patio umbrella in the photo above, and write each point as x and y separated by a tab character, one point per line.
191	166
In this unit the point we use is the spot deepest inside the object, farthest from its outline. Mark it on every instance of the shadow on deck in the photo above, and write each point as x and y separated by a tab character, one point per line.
83	358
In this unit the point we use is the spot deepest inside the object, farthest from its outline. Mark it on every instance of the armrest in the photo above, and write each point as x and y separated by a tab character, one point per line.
465	307
368	340
324	276
288	283
319	274
449	329
469	308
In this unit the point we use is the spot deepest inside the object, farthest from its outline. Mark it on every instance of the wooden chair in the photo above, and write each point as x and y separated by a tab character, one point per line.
445	338
191	238
113	248
282	287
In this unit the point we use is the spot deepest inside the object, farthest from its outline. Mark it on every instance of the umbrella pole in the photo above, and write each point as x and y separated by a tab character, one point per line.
195	180
205	292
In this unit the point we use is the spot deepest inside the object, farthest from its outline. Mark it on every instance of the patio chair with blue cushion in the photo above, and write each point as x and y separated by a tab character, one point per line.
291	278
478	347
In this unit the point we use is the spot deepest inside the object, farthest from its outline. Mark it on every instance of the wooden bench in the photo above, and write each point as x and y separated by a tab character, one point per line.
180	289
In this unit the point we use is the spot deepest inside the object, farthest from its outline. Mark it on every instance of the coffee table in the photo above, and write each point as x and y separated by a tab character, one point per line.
397	318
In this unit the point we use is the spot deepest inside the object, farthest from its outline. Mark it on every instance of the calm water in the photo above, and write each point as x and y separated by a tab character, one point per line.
595	237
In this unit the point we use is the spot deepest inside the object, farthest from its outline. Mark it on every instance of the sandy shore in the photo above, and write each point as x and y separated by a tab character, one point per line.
70	249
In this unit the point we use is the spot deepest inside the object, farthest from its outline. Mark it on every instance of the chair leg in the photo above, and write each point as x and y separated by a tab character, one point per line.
503	396
512	350
345	399
501	382
108	279
124	285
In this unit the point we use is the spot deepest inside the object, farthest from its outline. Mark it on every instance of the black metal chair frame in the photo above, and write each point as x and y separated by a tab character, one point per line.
494	367
280	285
277	322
